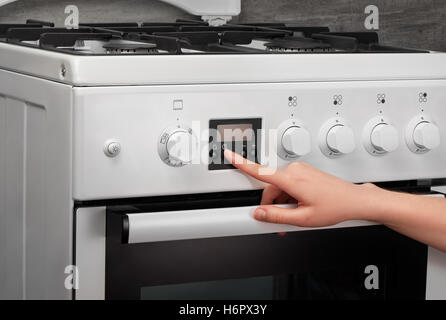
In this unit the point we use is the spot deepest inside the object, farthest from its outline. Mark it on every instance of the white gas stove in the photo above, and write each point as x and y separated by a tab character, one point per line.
135	114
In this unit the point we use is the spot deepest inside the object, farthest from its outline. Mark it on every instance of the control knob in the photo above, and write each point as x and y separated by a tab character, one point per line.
384	138
422	134
176	145
426	135
179	147
341	139
296	141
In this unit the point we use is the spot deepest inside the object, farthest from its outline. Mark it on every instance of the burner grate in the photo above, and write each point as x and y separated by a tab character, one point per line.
191	37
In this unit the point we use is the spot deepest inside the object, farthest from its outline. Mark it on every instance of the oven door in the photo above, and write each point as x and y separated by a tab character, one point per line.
210	247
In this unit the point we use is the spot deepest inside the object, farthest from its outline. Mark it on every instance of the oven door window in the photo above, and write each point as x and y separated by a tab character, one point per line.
331	283
369	262
257	288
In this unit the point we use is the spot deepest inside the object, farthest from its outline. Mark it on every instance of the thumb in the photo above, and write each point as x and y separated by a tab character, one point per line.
274	214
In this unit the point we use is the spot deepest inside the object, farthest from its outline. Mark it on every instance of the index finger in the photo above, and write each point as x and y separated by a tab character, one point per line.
262	173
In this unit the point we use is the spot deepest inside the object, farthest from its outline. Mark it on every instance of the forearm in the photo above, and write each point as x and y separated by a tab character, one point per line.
418	217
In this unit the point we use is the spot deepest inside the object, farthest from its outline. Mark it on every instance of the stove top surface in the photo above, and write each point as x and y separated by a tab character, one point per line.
185	37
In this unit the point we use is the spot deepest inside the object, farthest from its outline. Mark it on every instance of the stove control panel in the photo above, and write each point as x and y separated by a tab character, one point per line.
148	146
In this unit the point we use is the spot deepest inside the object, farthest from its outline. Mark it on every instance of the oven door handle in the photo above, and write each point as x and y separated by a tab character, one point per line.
204	223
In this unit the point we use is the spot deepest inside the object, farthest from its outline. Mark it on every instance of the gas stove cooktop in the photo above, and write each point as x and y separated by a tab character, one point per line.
195	52
192	37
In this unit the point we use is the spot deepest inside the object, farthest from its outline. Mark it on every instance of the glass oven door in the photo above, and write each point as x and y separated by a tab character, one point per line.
209	247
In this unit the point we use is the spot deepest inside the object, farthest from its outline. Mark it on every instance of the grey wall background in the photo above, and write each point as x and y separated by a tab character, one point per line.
409	23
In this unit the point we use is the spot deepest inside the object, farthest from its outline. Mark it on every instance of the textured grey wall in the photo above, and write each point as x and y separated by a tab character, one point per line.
410	23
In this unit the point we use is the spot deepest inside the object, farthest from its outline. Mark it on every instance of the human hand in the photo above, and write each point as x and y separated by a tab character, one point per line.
323	199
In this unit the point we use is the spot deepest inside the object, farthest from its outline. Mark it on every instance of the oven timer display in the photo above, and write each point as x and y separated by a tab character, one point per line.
235	132
239	135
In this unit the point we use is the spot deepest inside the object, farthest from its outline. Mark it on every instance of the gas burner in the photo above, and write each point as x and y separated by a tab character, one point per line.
298	45
130	48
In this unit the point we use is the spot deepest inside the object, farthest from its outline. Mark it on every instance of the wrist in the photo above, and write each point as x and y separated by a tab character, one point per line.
371	202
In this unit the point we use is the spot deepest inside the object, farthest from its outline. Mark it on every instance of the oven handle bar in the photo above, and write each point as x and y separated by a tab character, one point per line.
205	223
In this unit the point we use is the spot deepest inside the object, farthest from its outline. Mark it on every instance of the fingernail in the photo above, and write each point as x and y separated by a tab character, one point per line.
233	157
260	214
227	154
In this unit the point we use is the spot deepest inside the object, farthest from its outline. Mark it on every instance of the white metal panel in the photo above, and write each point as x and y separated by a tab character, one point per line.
36	226
12	198
90	253
436	275
208	7
136	116
436	270
209	223
232	68
37	161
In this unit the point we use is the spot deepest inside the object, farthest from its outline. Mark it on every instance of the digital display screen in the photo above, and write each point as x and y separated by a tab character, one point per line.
235	132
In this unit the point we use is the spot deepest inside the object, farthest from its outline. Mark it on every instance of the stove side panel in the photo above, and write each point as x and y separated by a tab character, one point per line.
11	195
35	187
